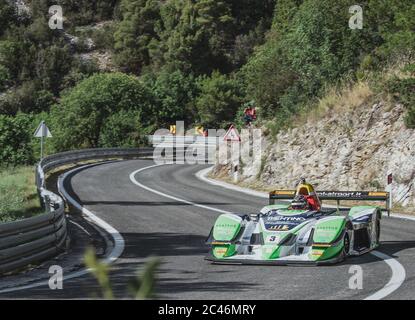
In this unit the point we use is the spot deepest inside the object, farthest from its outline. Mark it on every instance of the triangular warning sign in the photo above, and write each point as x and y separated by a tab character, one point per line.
232	135
42	131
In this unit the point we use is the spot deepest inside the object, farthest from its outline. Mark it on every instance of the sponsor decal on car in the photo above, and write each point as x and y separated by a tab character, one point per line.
278	227
333	228
285	218
317	253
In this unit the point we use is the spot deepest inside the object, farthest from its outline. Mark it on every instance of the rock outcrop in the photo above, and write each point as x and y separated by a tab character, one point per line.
350	150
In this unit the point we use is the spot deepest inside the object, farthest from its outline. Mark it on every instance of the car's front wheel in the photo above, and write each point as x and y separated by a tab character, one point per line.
377	231
346	244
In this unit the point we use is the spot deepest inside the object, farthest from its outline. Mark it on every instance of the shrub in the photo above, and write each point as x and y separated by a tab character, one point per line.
79	119
402	91
123	130
175	94
4	77
15	137
28	98
219	100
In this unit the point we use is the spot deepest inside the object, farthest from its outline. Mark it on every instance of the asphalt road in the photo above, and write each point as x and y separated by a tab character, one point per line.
153	225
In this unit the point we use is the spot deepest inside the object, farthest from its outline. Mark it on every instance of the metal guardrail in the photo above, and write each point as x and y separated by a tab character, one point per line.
184	140
36	239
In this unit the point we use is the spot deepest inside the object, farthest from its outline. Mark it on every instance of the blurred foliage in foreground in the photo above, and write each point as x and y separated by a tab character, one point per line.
140	287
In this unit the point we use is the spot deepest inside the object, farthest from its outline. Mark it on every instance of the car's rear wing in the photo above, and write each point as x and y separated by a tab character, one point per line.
338	196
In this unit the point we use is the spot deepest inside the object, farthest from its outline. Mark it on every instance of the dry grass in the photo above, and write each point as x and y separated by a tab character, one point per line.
339	100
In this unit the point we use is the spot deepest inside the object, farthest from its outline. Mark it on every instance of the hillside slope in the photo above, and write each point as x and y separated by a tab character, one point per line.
351	141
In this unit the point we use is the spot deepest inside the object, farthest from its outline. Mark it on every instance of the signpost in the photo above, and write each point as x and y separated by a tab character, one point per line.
233	140
389	189
42	132
232	135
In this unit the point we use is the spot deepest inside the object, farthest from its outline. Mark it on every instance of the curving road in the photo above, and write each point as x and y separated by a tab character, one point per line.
175	230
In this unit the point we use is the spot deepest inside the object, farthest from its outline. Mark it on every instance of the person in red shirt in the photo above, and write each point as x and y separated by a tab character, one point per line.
249	113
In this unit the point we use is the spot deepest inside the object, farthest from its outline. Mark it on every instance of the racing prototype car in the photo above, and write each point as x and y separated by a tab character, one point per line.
300	232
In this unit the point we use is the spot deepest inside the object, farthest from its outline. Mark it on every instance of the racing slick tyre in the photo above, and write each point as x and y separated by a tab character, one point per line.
346	245
377	231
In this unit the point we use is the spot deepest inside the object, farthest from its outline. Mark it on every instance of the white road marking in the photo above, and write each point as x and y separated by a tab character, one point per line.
399	216
117	238
202	175
398	271
396	280
133	180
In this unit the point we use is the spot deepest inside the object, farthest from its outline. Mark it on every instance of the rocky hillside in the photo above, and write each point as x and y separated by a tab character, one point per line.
352	141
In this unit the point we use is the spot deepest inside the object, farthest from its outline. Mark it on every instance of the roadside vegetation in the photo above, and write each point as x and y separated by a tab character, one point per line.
18	195
142	286
198	61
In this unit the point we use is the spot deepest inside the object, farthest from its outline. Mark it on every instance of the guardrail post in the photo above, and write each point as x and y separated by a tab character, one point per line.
47	202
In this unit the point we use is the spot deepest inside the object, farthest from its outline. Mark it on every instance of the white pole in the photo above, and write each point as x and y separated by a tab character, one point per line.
41	147
390	198
43	133
389	189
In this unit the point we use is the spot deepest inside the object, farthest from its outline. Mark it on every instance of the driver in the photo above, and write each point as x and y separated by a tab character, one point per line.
300	203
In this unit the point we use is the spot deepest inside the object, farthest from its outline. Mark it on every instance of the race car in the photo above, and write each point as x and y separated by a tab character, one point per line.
301	231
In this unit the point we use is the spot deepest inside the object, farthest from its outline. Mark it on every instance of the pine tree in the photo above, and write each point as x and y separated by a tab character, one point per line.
135	32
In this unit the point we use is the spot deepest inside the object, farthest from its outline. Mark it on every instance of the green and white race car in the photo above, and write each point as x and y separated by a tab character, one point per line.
300	232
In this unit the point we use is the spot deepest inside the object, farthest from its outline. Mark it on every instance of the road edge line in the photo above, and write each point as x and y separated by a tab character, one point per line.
118	240
396	280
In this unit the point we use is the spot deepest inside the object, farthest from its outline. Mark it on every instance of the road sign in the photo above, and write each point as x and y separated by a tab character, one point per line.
390	178
42	132
173	129
232	135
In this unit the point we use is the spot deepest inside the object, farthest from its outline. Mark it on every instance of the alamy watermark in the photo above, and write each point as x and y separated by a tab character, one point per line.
356	20
56	17
356	280
184	147
56	280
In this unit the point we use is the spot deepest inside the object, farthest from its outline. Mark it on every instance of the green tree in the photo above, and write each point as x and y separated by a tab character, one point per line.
134	33
77	12
174	93
284	13
308	47
15	137
219	100
79	119
27	98
123	129
4	77
10	51
52	64
7	16
395	25
199	41
402	91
